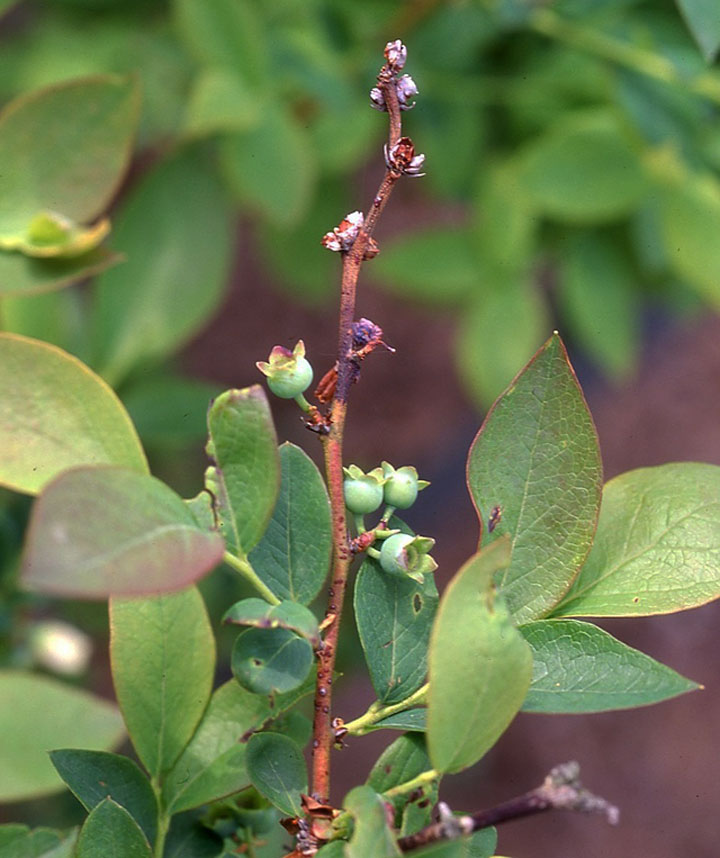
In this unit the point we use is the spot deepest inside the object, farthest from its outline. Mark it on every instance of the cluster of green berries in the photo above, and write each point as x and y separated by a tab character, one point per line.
401	553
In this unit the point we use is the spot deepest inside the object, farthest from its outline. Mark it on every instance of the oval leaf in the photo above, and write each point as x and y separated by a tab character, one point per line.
246	475
266	661
277	770
657	549
480	666
578	667
65	149
372	834
394	616
286	615
175	230
93	776
293	556
162	653
22	275
536	463
110	832
212	765
55	414
39	714
141	539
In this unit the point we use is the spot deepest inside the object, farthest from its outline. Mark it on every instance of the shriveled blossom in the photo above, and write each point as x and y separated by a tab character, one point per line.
401	158
344	234
396	55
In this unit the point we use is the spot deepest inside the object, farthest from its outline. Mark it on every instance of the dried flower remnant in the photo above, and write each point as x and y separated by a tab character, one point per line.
402	160
344	234
406	90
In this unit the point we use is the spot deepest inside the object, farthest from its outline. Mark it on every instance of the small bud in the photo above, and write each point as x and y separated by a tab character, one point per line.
344	234
288	372
396	55
372	249
377	99
406	90
401	158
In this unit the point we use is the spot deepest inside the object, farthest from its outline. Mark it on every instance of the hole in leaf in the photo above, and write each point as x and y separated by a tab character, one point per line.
417	603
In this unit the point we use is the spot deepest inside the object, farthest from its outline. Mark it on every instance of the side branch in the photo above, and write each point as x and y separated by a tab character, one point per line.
561	790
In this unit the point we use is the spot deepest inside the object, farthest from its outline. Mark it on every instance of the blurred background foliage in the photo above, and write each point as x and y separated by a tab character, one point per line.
573	179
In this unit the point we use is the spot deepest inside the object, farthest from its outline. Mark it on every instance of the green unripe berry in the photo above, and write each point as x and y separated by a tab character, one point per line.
401	490
392	554
291	382
363	495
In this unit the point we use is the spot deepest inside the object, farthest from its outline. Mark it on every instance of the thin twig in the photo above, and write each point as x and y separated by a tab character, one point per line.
561	790
323	735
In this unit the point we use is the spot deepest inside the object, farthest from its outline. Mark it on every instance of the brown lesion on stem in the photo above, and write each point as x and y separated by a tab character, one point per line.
561	790
337	384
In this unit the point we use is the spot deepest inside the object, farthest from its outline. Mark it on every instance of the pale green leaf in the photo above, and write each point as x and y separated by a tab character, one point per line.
480	666
372	834
23	275
287	615
55	413
277	770
162	653
220	102
703	20
39	714
141	539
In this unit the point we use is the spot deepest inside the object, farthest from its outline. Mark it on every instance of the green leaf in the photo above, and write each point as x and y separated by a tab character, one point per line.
266	661
372	834
536	459
12	831
142	539
189	838
410	719
480	845
277	770
334	849
220	102
703	22
584	170
246	475
175	230
497	332
286	615
225	33
110	832
394	616
657	548
39	714
437	267
23	275
293	556
213	763
93	776
271	168
162	653
598	298
39	843
65	149
578	667
53	317
55	414
480	666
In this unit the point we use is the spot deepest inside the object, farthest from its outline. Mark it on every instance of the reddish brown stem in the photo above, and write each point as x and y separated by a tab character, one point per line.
323	735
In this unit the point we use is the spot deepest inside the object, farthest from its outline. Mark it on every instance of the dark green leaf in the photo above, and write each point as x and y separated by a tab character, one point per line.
213	763
93	776
584	170
38	714
578	667
68	167
480	666
189	838
394	616
293	556
277	770
162	653
271	168
246	475
142	539
55	414
703	21
175	230
372	834
438	266
25	275
497	332
286	615
39	843
266	661
410	719
481	845
598	297
657	548
110	832
536	460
